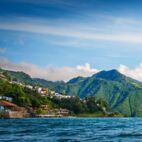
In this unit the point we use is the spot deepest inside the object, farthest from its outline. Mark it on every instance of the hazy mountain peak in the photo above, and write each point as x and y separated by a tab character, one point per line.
112	75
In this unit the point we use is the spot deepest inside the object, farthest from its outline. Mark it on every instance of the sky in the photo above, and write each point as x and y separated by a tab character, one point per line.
62	39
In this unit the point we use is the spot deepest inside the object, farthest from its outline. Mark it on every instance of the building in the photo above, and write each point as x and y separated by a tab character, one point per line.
29	86
62	112
6	106
43	91
11	110
6	98
52	92
60	96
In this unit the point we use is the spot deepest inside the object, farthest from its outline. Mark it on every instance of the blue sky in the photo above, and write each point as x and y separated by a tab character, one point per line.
69	33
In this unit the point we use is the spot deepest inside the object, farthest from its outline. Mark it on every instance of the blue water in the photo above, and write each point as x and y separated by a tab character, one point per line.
71	130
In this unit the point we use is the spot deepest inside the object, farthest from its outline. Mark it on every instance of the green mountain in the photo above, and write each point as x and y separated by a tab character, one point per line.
123	94
17	76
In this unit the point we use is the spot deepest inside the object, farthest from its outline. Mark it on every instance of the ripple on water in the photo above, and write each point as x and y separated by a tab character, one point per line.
71	130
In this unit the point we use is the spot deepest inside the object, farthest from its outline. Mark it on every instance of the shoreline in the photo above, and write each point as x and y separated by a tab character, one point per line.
57	116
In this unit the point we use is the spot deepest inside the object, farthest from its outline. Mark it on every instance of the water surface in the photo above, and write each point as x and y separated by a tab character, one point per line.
71	130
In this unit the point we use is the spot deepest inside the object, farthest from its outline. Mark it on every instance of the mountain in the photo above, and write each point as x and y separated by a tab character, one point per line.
58	86
112	75
77	79
123	94
24	78
17	76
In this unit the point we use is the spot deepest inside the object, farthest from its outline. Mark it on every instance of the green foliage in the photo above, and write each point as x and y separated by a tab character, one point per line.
25	97
18	77
77	105
22	96
91	104
120	93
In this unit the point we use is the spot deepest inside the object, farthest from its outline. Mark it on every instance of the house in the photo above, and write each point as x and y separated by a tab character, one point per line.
52	92
6	98
16	82
11	110
62	112
29	86
43	91
7	106
60	96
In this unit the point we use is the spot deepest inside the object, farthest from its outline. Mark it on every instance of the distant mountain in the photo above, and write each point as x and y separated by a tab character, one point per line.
123	94
58	86
112	75
24	78
18	76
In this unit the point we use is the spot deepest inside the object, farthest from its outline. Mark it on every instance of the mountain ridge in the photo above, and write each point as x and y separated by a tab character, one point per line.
123	94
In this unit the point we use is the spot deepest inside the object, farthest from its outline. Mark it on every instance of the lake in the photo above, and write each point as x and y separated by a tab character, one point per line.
71	130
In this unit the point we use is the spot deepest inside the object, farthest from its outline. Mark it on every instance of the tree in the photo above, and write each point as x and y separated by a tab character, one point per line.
91	104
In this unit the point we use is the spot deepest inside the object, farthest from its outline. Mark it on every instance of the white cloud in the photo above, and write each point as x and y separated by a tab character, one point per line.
135	73
49	73
86	68
65	73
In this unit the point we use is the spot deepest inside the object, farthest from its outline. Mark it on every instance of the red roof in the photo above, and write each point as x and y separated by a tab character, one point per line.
7	104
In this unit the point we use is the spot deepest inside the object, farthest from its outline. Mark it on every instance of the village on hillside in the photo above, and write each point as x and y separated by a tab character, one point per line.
20	99
8	109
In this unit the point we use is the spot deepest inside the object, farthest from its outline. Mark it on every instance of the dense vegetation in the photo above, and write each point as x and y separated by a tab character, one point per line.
28	98
87	105
121	93
21	96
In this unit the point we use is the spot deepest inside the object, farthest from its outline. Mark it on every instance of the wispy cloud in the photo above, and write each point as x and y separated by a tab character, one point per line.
63	2
80	32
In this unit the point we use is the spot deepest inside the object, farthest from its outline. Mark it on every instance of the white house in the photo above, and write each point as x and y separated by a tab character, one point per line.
6	98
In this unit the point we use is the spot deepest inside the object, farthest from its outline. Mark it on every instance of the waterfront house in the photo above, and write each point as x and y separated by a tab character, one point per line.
7	106
62	112
6	98
11	110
